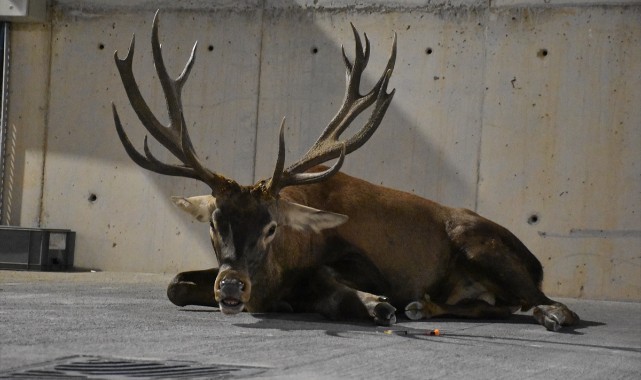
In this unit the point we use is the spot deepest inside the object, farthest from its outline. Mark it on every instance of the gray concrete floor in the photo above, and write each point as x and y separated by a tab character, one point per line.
46	317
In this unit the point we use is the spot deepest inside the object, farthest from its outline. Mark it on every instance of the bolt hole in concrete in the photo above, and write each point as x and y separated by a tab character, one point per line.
542	53
210	48
101	46
92	198
314	50
533	219
429	51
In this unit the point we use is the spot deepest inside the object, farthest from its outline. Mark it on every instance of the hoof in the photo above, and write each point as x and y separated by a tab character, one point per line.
384	314
553	317
421	309
414	310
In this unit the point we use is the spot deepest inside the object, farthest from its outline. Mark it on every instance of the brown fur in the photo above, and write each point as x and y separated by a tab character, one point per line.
420	255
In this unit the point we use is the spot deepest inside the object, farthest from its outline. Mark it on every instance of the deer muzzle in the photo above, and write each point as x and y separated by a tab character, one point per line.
232	291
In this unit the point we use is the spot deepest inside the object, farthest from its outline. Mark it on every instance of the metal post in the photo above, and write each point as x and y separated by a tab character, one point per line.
4	103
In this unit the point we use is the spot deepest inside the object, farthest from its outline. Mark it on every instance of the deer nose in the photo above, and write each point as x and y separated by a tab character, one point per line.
232	283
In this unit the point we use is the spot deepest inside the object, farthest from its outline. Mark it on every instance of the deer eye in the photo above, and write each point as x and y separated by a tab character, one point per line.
269	232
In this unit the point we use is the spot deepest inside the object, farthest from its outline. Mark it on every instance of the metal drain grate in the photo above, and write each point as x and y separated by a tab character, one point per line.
92	367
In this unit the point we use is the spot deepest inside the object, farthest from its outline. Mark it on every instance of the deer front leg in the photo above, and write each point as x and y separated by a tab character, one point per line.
348	304
338	301
193	288
378	308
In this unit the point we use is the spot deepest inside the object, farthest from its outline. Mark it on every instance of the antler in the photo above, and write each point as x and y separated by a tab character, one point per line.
328	146
174	137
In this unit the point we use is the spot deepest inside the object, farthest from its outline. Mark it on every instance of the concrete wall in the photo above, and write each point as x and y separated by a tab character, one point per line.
525	111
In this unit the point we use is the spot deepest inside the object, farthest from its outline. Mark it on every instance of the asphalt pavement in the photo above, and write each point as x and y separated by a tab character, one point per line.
121	325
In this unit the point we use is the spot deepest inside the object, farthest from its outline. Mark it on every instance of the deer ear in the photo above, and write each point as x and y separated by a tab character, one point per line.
200	207
302	217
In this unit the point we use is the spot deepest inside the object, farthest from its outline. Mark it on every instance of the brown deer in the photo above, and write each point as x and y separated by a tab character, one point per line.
311	239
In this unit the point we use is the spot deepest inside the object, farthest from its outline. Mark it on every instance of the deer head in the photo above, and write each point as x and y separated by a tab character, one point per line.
245	220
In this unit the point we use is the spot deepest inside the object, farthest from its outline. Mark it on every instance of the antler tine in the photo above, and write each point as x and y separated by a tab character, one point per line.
276	178
175	137
281	178
171	88
149	162
355	103
328	146
138	103
148	120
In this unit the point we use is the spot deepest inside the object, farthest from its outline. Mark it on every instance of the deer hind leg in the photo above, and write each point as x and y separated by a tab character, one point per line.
193	288
466	308
555	315
516	286
501	261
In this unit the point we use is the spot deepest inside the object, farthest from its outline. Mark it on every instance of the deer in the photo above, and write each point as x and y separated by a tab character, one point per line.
312	239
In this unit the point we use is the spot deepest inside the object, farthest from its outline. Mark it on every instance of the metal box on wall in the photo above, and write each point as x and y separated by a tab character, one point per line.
41	249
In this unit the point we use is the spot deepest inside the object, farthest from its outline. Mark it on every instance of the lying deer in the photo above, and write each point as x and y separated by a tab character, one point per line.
311	239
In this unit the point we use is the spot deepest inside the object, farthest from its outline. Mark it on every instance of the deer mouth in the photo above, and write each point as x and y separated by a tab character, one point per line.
232	291
231	305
